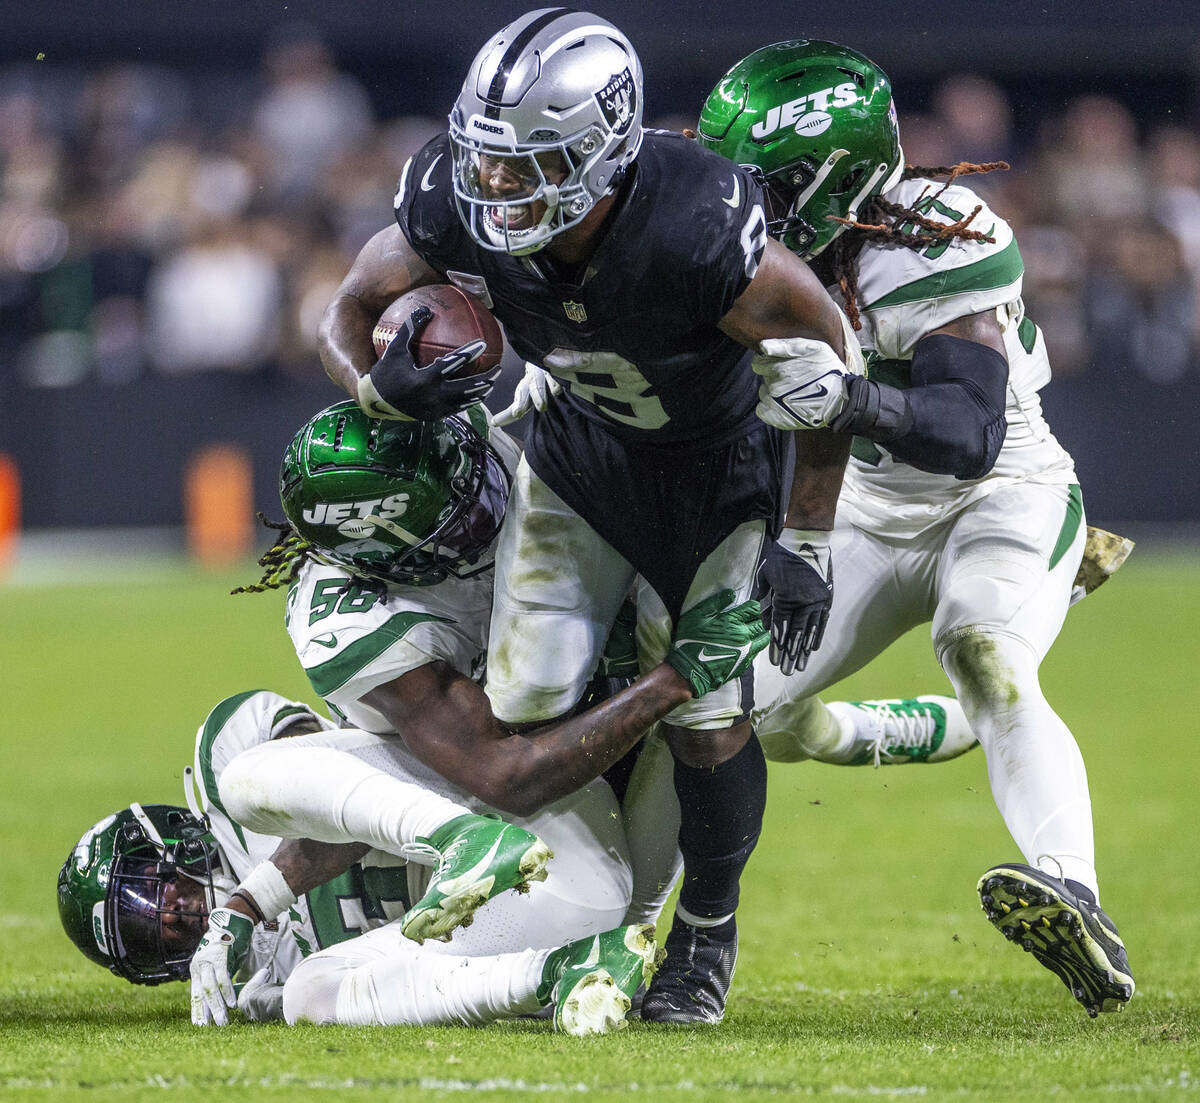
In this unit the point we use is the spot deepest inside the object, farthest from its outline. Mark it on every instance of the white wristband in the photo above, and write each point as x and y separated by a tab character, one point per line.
269	890
811	545
371	404
793	540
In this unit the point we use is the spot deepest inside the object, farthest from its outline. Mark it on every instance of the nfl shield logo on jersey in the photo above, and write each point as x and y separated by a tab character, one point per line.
575	311
617	100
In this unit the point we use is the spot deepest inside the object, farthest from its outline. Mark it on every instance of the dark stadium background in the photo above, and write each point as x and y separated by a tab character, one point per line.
1100	109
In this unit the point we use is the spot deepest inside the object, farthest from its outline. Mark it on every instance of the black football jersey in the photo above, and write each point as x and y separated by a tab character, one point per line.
635	339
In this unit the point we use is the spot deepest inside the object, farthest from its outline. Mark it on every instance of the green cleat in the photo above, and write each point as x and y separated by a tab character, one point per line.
592	981
910	729
478	857
1060	923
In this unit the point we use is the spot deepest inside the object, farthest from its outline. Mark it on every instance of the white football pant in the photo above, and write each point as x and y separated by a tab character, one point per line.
558	588
985	580
352	786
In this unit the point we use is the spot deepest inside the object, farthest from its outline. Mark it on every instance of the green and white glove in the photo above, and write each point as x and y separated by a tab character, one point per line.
218	957
715	641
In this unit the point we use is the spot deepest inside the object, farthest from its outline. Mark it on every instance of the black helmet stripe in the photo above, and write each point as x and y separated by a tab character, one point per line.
495	93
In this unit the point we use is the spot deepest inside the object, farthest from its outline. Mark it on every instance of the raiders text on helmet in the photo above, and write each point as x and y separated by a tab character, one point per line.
409	502
817	121
548	119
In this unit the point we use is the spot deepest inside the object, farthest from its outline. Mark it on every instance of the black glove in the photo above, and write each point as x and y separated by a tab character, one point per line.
801	583
398	388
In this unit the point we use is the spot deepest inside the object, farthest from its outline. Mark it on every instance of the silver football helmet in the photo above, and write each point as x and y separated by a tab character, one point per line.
548	120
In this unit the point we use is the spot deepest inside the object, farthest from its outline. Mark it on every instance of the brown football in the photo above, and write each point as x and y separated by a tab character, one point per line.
458	317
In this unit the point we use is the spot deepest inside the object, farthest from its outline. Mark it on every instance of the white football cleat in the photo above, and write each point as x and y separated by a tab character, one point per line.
905	729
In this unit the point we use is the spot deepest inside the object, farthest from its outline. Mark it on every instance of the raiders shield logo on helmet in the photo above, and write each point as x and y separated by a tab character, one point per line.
617	100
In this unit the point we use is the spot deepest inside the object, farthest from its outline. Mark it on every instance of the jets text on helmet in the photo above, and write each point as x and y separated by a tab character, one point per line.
844	95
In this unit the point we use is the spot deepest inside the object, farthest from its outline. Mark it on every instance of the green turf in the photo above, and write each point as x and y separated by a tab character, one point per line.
867	968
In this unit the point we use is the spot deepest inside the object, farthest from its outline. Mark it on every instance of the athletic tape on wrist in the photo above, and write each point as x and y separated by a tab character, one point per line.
269	890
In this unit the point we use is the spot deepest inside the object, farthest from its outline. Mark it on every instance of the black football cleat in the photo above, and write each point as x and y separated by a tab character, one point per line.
1060	923
692	983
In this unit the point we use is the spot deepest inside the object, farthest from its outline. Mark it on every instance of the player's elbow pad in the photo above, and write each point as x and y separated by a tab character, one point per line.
951	421
964	437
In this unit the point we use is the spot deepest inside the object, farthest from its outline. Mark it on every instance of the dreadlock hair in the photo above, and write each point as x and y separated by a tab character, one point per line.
881	220
282	560
288	554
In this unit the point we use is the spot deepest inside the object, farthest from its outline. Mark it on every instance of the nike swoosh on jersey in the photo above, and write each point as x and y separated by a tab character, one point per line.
425	184
326	640
734	200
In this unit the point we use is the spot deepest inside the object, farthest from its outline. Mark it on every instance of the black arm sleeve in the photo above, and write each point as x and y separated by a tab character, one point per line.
950	422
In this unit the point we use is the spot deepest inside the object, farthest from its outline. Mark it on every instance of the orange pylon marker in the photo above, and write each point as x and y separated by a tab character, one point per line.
10	511
218	505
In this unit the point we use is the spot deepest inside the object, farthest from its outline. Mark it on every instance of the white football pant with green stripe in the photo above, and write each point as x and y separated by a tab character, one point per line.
352	786
994	581
384	979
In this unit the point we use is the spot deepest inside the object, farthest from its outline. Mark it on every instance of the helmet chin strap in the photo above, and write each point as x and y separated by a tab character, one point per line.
897	172
391	526
189	793
152	834
826	168
868	189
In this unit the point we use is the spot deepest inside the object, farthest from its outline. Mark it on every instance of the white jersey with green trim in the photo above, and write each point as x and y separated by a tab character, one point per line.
904	294
370	894
351	638
234	725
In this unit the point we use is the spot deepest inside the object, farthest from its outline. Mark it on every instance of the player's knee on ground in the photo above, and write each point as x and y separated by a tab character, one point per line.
311	992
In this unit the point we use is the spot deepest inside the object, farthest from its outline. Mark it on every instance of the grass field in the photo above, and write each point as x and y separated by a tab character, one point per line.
867	968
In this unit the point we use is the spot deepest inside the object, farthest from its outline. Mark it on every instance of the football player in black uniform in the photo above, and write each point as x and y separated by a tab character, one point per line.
635	267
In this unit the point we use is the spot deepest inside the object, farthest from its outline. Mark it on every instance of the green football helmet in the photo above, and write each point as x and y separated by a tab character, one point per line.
119	896
815	121
408	502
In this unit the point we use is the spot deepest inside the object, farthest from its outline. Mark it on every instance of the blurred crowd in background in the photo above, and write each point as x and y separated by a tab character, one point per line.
153	223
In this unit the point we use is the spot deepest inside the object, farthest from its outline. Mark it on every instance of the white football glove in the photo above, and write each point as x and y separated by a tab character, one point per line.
534	391
218	957
804	385
261	997
804	382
